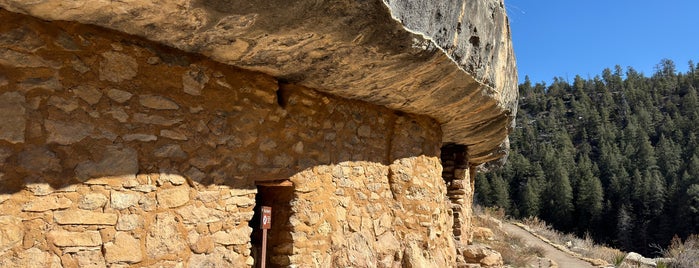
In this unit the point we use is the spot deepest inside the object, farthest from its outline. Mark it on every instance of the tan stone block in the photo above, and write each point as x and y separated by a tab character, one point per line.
205	244
117	67
119	96
125	248
107	234
75	239
92	201
84	217
90	258
11	232
173	197
121	200
45	203
88	94
239	236
129	222
157	102
164	236
12	117
215	226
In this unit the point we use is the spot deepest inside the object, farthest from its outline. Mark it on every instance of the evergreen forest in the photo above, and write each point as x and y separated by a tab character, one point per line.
615	157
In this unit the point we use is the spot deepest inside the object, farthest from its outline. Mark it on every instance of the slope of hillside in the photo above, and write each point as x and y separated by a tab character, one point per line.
615	156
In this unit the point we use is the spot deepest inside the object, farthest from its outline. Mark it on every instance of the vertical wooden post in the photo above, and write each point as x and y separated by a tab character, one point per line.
264	248
265	224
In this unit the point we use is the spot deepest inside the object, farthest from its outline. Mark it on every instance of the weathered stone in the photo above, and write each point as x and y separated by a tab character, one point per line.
129	222
11	232
173	151
174	179
66	133
84	217
12	117
46	83
22	38
193	81
75	239
117	67
23	60
483	255
193	215
116	160
173	197
153	60
90	259
154	119
267	145
483	233
63	104
33	257
125	248
119	96
119	114
220	258
203	244
157	102
163	237
634	259
80	66
140	137
4	154
239	236
121	200
89	94
209	196
39	159
47	203
92	201
195	174
173	135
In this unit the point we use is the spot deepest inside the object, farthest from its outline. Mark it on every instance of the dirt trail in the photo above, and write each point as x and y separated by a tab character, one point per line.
561	258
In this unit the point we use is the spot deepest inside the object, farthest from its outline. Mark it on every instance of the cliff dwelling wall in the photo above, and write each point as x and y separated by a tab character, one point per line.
119	152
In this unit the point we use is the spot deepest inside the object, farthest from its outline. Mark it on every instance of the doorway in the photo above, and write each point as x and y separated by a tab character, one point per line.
277	195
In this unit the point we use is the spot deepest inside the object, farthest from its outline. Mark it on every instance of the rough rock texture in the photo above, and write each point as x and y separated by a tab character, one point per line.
101	176
450	60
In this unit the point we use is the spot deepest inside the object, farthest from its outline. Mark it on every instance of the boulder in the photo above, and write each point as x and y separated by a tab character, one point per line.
482	254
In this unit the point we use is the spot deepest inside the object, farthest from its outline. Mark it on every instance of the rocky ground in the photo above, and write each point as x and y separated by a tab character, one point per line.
514	244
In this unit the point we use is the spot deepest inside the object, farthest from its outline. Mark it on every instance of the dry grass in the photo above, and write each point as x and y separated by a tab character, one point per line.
514	251
683	254
586	247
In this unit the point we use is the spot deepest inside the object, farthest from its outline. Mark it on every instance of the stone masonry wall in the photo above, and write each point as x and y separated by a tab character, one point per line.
118	152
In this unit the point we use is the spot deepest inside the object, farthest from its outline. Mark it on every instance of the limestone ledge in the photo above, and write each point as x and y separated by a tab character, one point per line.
450	60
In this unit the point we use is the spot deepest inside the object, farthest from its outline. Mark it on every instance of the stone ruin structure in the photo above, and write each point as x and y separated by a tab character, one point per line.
147	133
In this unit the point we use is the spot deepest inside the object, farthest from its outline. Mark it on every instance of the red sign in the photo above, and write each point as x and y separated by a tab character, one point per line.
266	221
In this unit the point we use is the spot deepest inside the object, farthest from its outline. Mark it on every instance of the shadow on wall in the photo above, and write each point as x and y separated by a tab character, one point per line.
81	102
114	149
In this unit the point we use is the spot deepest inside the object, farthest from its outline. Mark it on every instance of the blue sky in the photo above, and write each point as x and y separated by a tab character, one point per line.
565	38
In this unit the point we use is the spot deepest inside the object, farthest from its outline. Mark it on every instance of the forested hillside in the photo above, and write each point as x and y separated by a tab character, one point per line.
615	156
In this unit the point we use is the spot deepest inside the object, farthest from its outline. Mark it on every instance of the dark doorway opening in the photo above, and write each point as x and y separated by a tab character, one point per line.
277	195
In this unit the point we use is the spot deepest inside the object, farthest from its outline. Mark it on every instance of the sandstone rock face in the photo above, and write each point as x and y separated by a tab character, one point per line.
458	54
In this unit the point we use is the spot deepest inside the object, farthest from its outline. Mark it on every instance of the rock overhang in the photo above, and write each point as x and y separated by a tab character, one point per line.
450	60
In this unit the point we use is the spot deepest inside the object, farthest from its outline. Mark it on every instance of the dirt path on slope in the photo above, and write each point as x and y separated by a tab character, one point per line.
561	258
